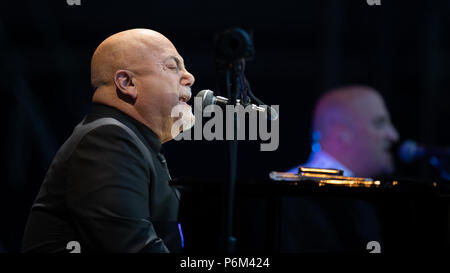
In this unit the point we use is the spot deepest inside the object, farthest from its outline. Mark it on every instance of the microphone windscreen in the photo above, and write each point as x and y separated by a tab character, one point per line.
407	151
207	97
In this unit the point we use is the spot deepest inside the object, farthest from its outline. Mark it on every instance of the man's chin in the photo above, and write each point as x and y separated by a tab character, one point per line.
389	167
183	118
187	125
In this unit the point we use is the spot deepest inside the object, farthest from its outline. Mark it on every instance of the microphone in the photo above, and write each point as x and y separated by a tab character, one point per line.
410	150
208	98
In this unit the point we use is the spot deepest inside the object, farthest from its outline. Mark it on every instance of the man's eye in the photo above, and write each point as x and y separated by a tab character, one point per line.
173	67
380	123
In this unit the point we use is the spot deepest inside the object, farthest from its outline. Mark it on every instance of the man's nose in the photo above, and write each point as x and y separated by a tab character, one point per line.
393	133
187	79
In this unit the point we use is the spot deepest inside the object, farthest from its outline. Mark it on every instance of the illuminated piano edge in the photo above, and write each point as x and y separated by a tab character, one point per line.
339	177
282	176
350	183
324	179
320	171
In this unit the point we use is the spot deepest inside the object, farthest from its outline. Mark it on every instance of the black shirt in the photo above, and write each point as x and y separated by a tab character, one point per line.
102	193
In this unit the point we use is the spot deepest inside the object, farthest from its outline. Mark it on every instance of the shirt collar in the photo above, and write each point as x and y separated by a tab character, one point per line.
323	159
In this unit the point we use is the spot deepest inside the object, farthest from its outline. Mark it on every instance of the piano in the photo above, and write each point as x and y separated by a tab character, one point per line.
319	211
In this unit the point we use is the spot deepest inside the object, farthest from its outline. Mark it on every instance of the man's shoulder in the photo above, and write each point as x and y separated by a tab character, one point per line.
107	149
109	137
104	145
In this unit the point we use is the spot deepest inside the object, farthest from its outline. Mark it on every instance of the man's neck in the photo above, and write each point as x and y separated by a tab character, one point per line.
104	97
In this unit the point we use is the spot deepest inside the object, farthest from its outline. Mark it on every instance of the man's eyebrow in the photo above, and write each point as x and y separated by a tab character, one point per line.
176	59
381	119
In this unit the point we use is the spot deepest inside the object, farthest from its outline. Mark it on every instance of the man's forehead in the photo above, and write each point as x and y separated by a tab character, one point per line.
371	106
164	52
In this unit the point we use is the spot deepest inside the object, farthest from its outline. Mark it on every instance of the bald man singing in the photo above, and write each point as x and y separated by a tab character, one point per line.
108	187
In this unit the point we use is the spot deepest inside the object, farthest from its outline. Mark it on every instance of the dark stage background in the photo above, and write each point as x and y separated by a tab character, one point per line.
303	48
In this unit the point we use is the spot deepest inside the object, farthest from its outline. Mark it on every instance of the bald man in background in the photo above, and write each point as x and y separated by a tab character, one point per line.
352	132
108	187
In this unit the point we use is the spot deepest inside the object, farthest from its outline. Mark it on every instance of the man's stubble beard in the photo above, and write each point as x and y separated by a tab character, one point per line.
183	119
187	117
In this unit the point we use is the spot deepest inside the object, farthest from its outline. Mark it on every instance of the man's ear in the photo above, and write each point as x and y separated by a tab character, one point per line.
125	84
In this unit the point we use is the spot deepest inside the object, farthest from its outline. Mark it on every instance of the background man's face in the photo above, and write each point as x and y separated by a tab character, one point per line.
374	134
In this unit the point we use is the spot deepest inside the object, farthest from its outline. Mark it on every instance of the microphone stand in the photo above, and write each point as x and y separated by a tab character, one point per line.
233	47
235	71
